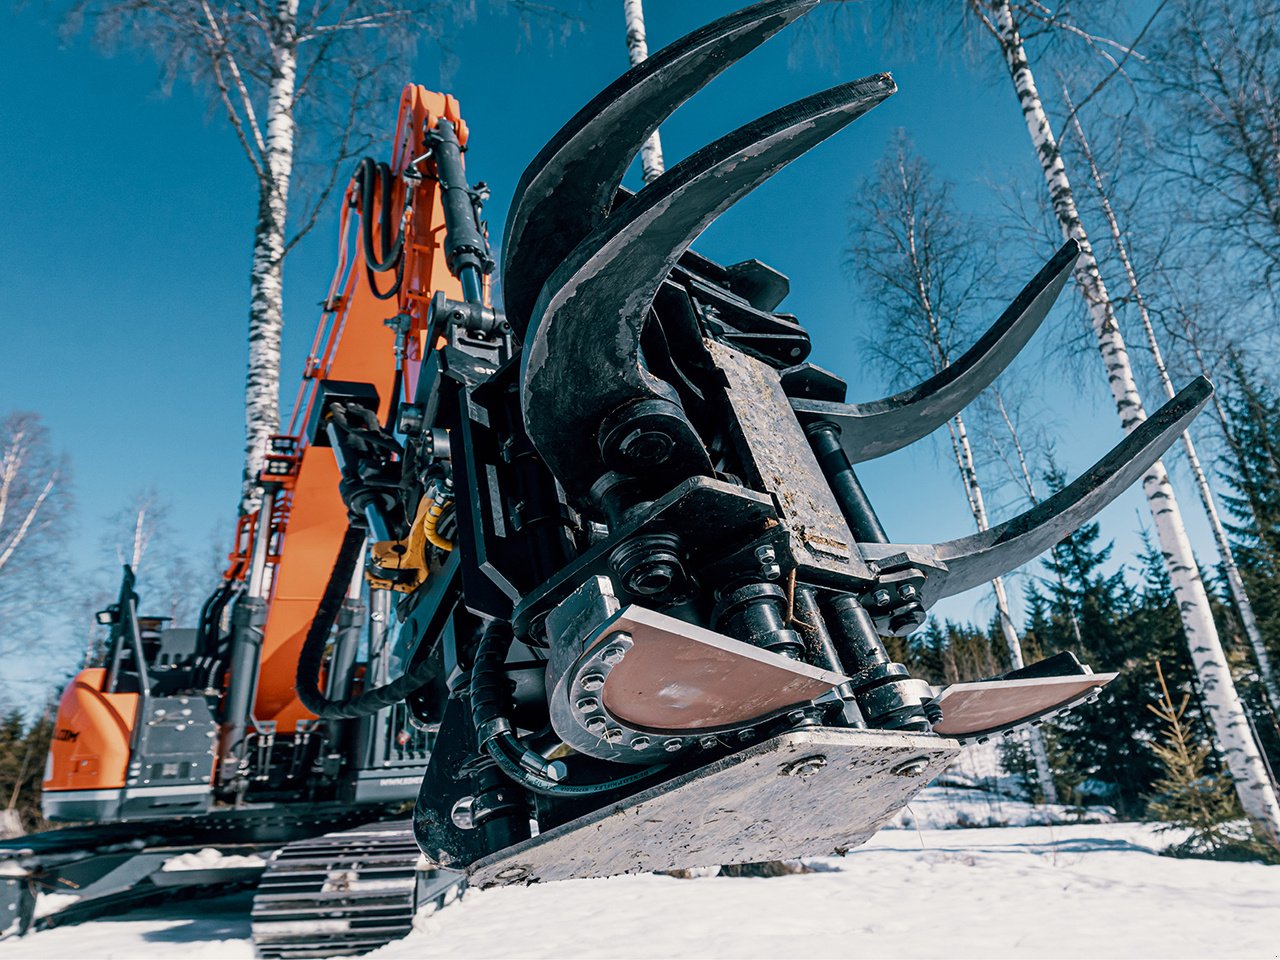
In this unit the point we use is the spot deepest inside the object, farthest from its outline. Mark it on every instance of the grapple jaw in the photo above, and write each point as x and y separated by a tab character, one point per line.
705	585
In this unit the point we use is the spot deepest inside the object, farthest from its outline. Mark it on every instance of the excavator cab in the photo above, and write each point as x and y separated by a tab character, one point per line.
135	735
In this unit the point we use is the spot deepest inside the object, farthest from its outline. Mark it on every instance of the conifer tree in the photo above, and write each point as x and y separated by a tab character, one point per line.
1251	470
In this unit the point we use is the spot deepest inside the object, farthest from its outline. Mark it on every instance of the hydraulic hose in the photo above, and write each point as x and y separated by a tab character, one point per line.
307	679
375	178
490	707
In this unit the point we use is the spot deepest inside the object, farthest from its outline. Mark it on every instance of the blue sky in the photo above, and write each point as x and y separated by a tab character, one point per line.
124	249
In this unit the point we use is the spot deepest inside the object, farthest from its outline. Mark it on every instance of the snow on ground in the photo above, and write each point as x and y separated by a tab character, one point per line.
1096	890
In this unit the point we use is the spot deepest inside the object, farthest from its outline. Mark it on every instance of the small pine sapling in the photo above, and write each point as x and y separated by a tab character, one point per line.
1190	797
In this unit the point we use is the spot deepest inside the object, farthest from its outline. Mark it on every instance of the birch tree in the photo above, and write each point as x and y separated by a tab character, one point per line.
289	80
35	504
1235	583
1216	70
924	275
651	163
999	19
140	534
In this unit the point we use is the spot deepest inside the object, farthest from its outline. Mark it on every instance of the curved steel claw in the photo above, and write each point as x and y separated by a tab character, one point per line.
973	560
870	430
589	316
570	186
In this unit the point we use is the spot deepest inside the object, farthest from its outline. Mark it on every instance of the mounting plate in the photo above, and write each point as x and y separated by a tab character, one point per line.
813	792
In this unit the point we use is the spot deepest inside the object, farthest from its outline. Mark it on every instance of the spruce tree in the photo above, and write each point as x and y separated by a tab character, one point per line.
1251	470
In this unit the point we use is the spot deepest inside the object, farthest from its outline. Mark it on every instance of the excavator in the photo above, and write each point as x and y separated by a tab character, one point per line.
581	585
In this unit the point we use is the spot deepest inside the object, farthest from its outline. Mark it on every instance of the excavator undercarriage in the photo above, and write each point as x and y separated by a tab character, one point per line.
627	598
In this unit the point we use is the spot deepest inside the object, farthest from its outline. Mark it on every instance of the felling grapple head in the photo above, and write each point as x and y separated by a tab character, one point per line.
720	614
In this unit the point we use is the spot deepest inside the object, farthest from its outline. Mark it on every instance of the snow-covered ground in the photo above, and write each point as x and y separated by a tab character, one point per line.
1075	890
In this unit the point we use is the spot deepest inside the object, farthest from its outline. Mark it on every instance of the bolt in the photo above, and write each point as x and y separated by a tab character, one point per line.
907	592
746	734
672	745
597	725
766	554
512	874
881	598
613	735
911	768
612	655
592	681
587	704
707	742
804	767
640	743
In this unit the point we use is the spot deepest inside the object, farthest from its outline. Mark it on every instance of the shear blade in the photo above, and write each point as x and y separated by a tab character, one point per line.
977	559
591	310
569	187
870	430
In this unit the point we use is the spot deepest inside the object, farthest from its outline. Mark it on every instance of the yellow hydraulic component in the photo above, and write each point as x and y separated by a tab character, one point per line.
433	518
408	557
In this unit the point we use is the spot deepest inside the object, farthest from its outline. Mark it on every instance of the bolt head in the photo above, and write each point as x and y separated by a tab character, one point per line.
513	874
881	598
640	743
911	768
591	681
708	742
804	767
597	725
587	704
771	571
612	655
766	554
907	592
672	745
612	735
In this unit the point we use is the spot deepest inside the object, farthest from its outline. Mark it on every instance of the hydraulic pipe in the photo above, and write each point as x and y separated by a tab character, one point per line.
466	250
248	620
824	437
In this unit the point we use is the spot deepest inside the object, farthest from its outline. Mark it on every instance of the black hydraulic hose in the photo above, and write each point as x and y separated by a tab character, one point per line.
490	707
366	172
307	680
371	178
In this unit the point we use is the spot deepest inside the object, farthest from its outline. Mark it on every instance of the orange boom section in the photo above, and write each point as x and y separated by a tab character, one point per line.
353	343
90	748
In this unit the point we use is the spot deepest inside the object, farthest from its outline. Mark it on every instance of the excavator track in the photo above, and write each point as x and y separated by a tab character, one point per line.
346	893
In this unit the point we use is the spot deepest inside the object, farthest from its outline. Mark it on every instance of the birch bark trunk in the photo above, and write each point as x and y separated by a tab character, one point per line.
1239	749
1234	581
651	163
266	277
